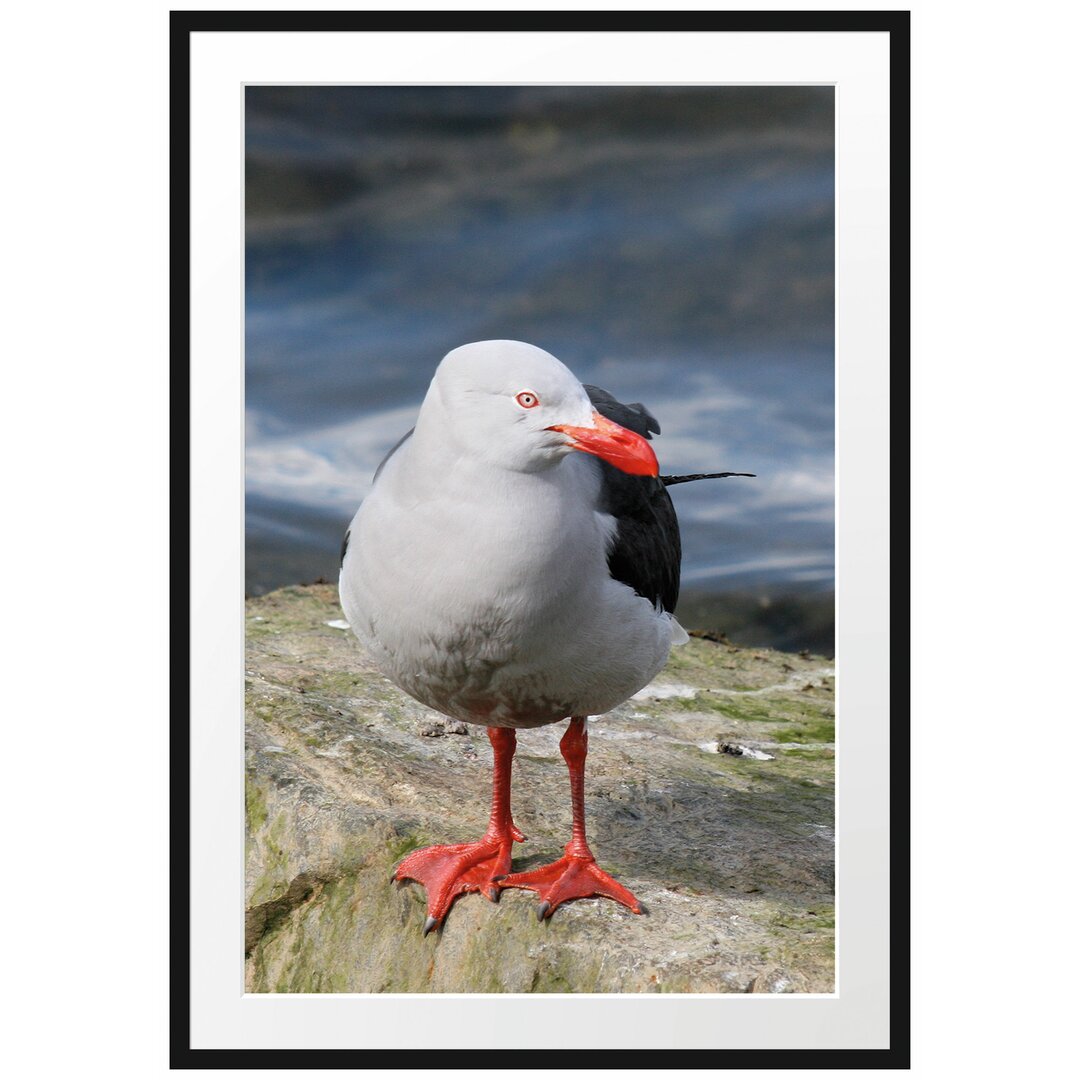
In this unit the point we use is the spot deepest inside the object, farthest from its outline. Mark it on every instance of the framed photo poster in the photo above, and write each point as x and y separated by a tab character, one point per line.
706	215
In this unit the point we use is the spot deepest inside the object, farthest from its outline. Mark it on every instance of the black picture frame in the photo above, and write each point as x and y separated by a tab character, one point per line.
182	25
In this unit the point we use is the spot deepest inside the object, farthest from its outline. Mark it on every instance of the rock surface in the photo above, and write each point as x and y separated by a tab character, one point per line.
710	795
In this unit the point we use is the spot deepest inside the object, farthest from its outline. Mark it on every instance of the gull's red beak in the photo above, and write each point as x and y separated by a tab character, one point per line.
624	449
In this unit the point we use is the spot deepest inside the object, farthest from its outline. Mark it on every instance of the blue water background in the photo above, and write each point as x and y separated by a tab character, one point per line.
673	245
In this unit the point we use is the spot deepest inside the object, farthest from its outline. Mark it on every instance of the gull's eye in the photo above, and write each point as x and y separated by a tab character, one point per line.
527	399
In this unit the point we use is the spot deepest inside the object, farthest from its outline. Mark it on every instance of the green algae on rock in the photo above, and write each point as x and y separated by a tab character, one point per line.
731	854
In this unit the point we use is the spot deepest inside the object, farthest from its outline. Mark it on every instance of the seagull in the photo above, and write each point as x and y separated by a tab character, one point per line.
516	564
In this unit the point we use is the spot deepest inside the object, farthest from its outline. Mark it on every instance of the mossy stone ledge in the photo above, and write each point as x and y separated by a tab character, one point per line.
710	795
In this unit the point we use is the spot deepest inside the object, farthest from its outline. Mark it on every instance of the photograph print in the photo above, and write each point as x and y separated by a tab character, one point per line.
540	670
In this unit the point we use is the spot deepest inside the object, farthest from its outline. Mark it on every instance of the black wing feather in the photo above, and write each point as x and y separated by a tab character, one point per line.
633	416
647	552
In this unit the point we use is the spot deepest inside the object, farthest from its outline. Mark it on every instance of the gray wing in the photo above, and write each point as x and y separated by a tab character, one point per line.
390	453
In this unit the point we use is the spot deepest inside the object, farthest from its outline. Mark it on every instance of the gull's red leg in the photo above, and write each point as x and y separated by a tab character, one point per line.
448	870
576	873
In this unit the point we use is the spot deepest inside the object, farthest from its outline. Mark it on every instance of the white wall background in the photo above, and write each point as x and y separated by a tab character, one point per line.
84	337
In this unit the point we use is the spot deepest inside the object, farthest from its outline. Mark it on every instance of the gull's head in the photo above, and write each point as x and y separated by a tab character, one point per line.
514	405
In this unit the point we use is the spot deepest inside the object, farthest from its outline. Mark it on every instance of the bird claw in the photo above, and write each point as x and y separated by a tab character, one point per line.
448	870
570	878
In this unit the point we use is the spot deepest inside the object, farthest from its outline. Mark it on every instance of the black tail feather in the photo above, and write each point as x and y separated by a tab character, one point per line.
669	480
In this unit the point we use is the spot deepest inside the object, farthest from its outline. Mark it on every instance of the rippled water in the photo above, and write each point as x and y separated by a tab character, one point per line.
673	245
